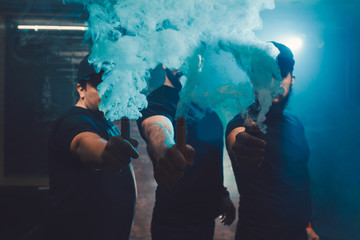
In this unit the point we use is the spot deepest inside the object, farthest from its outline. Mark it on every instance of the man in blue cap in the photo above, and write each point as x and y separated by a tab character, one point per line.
271	169
92	184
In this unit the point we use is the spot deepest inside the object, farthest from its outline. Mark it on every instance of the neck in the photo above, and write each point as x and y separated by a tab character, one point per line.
81	104
277	108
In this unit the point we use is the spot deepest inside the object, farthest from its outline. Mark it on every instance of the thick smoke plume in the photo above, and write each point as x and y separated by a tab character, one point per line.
231	73
212	42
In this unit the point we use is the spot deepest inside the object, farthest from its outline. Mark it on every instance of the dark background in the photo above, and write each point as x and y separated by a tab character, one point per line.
326	98
39	83
39	69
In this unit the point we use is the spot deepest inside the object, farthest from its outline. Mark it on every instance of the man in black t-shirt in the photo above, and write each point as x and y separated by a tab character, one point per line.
92	186
271	169
190	193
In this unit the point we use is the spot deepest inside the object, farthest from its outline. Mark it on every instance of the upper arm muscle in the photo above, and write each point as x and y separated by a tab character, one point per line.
88	146
157	120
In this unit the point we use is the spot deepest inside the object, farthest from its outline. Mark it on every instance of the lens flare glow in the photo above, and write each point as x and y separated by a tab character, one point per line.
294	43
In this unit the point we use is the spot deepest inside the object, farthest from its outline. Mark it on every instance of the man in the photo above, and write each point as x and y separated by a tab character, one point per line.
271	169
92	185
190	192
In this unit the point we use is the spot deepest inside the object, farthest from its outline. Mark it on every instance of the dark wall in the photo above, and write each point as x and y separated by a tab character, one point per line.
39	84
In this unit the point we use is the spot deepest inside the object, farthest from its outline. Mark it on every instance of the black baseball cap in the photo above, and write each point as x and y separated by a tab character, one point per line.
88	73
285	59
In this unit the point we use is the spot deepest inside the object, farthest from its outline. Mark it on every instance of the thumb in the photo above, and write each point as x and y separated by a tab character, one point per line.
131	147
134	142
251	126
189	155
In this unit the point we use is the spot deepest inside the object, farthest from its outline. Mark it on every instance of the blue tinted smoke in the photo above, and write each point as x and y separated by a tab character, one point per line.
230	74
131	37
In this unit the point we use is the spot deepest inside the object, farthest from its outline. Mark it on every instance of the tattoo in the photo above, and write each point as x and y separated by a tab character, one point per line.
159	139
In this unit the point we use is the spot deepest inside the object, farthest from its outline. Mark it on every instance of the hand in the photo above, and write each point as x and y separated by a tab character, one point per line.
312	234
249	150
170	167
117	153
228	210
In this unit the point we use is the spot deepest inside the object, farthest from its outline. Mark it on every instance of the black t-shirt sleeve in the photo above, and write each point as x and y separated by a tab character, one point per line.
162	101
70	127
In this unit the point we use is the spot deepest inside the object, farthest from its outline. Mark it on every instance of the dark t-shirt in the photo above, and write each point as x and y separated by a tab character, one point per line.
196	197
275	198
87	204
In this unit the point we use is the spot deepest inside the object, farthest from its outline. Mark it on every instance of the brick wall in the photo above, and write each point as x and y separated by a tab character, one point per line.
146	186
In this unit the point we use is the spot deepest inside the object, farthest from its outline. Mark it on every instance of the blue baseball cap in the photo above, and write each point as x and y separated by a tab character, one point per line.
88	73
285	59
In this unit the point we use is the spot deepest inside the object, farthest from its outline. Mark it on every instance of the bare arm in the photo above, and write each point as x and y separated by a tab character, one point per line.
95	152
88	146
169	163
158	132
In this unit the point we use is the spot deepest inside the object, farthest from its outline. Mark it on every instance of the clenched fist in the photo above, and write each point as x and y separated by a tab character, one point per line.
249	149
171	166
117	153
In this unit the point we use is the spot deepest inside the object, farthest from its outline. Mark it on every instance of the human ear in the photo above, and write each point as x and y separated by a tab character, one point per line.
292	80
80	90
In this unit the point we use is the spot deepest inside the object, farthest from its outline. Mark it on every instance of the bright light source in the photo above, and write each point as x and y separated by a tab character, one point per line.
294	43
52	27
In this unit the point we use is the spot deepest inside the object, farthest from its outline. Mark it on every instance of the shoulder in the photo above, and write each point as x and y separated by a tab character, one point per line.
74	120
72	117
75	115
293	120
70	124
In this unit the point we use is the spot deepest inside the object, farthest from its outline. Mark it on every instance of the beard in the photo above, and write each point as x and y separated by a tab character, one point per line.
279	106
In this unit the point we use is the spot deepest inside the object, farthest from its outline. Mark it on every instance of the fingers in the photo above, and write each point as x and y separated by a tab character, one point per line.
117	153
162	181
176	158
251	126
249	140
228	215
117	144
134	142
171	167
226	220
166	178
111	161
190	155
248	150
